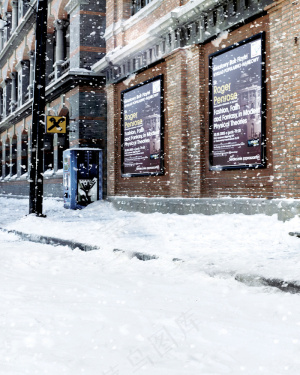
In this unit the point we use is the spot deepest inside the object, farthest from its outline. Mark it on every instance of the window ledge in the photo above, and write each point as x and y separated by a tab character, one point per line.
48	173
59	172
20	30
124	25
24	176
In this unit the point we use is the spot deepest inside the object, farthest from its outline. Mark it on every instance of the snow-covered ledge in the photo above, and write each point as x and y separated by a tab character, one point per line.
140	43
72	4
285	209
124	25
179	15
48	173
59	172
24	176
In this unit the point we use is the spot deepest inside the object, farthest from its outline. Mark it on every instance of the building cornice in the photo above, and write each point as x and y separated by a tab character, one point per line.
196	22
18	34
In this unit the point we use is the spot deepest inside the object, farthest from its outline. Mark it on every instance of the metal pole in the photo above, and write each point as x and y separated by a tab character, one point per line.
38	112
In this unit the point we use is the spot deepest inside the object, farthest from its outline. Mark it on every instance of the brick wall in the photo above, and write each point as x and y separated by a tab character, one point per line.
111	8
176	104
285	85
186	135
112	139
119	10
195	91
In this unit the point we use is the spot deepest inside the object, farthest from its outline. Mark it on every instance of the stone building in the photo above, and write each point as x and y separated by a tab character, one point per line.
75	42
179	44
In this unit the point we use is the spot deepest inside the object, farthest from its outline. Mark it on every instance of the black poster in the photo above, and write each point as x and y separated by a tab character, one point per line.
142	129
236	106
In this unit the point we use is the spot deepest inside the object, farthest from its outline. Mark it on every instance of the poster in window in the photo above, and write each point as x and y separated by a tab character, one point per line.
237	105
142	128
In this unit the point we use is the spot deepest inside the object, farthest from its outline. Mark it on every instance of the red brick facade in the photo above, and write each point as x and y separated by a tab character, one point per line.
284	17
186	133
186	116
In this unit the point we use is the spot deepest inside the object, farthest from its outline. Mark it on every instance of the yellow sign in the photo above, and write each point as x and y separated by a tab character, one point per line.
56	124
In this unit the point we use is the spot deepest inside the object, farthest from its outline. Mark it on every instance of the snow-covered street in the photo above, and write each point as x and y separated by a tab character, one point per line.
105	312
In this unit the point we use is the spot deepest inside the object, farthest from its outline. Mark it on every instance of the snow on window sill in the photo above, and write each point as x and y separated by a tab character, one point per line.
24	176
123	25
48	173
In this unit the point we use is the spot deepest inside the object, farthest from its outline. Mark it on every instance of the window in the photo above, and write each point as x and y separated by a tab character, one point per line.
14	92
60	48
22	83
7	29
19	87
4	102
48	152
1	150
14	143
7	97
136	5
62	144
1	106
67	41
7	157
62	140
21	9
24	151
54	48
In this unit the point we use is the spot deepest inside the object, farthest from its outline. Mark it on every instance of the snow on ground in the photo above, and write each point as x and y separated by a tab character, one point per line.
223	243
104	313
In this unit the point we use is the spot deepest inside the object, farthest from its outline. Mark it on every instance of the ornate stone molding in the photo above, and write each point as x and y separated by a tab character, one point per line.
17	36
20	64
14	4
72	4
195	23
61	24
3	84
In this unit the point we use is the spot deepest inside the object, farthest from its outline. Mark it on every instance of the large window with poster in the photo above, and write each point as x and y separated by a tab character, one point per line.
237	106
142	129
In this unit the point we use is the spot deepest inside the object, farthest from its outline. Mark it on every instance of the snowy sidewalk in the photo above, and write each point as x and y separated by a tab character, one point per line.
104	312
249	248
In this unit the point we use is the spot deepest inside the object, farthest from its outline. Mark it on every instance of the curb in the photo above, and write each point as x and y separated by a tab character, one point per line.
292	287
136	254
51	240
295	234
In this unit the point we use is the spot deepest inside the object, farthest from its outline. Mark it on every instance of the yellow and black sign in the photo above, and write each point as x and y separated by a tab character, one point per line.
56	124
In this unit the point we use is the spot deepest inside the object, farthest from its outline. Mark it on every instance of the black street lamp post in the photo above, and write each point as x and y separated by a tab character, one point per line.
38	112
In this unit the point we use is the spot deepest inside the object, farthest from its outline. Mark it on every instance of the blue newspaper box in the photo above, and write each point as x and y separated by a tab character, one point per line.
82	177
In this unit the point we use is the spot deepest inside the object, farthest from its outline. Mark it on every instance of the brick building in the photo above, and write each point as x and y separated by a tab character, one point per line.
75	42
181	42
202	100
